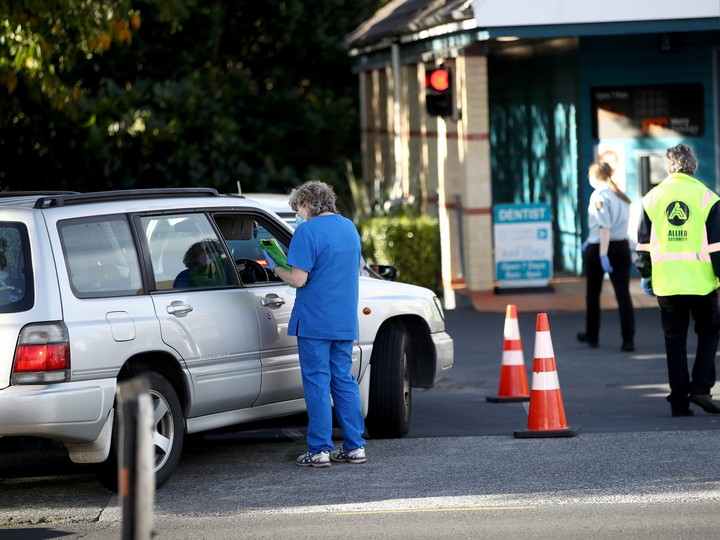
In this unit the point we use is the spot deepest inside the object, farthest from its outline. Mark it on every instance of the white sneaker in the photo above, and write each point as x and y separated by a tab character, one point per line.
321	459
353	456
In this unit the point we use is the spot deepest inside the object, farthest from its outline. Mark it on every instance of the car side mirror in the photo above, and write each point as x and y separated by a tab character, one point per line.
385	271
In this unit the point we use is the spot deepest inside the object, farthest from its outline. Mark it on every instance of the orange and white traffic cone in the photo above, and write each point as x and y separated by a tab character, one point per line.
547	414
513	384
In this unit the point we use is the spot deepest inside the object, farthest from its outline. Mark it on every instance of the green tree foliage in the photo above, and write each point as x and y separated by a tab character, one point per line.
107	94
40	47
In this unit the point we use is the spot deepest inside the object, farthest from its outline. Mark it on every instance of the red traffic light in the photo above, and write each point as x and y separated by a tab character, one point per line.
439	91
439	79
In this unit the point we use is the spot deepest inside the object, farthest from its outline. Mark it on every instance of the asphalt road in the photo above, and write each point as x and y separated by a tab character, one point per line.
633	471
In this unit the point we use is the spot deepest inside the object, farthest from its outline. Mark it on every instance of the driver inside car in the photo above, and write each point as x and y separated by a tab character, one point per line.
201	269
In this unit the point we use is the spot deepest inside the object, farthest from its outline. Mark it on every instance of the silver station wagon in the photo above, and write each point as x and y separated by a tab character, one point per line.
98	288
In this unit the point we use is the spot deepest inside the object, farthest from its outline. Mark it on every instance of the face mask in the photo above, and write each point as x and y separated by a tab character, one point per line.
299	219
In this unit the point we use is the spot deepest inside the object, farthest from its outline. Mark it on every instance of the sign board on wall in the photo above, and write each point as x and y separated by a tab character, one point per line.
523	245
657	111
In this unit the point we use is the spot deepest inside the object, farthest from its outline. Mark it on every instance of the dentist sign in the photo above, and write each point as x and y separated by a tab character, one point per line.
523	245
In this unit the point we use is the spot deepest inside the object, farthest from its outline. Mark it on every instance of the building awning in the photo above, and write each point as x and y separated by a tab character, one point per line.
449	25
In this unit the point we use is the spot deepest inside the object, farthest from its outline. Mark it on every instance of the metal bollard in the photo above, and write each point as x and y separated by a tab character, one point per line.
136	475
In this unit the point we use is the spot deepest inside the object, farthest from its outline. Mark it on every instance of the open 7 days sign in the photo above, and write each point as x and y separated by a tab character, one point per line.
523	245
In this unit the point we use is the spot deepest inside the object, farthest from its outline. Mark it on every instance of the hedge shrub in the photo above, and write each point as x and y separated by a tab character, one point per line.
410	243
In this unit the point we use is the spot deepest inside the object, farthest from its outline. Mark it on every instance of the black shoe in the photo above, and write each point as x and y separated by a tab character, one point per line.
627	346
705	403
679	405
582	338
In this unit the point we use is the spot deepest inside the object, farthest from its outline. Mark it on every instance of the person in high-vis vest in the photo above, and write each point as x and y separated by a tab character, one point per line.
679	261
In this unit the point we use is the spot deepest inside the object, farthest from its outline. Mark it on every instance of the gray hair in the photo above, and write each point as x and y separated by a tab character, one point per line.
316	195
681	159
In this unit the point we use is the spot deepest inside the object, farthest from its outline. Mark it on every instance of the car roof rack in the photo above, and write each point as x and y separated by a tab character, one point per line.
69	198
34	193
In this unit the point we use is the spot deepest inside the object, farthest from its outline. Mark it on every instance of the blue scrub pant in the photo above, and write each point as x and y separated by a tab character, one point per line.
326	371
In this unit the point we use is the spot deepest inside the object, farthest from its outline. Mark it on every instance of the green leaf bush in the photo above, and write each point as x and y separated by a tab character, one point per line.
412	243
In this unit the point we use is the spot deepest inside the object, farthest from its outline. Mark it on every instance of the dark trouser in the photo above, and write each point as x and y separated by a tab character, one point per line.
675	312
621	261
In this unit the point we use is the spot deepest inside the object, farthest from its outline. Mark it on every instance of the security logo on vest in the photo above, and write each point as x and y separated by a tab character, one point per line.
677	213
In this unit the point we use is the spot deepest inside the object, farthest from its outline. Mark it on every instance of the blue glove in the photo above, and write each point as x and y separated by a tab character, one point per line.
605	263
584	245
271	264
646	285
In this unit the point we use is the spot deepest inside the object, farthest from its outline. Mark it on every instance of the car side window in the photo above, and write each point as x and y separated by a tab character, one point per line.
100	257
186	253
242	235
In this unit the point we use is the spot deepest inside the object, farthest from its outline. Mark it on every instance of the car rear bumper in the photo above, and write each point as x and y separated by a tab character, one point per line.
68	412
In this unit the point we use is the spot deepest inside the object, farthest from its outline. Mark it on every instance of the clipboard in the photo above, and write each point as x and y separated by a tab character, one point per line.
275	250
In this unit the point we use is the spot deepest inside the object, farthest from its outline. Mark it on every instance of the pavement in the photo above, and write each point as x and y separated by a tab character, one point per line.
459	466
562	294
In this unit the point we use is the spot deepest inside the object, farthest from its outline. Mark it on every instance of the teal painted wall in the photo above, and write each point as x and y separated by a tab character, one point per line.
637	60
541	134
533	139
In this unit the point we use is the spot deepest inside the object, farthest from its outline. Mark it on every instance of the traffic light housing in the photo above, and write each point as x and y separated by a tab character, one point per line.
439	92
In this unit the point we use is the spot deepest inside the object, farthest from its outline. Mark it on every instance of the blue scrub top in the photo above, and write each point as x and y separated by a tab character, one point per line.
328	248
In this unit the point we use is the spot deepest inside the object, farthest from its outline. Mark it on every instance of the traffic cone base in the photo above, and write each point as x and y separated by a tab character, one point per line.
507	399
535	434
546	416
513	386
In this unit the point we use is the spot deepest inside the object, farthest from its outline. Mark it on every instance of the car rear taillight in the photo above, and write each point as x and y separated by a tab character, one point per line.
42	354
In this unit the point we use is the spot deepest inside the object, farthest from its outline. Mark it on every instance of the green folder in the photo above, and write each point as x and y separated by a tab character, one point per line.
275	250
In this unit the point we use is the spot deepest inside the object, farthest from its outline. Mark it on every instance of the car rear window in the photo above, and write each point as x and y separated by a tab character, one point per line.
16	288
101	257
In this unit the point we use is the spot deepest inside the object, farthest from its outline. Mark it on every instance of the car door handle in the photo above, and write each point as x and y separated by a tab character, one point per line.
178	308
272	300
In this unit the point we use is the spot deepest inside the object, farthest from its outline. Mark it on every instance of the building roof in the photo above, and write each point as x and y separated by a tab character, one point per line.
401	17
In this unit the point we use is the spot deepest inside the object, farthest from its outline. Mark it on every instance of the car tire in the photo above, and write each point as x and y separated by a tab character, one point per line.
168	429
390	396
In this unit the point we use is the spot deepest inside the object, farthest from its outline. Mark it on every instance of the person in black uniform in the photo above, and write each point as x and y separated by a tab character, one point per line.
607	249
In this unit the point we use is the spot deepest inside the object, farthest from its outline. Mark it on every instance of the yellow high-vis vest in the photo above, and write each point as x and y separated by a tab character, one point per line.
678	208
